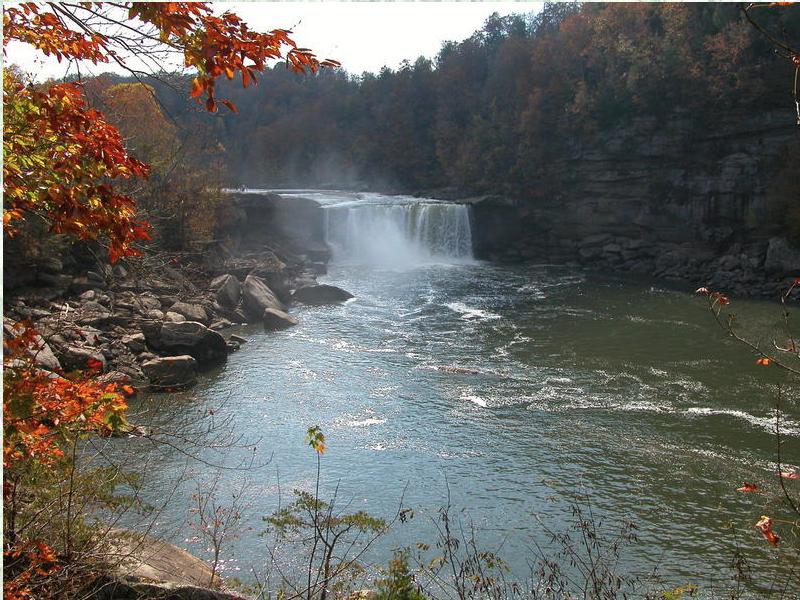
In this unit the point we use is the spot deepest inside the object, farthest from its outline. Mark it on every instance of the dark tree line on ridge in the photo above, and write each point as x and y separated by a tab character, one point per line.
499	112
494	112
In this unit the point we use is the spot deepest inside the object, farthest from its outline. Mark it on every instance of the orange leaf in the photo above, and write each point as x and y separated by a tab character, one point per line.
765	527
231	106
748	487
197	87
764	362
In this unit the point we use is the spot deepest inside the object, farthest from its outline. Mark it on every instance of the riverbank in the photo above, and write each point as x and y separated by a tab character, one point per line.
157	321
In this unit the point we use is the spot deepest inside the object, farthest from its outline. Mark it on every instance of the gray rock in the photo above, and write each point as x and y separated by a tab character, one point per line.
729	263
171	371
238	338
192	312
321	294
77	358
195	339
94	307
50	264
275	320
258	297
89	296
220	325
227	290
43	355
174	317
781	257
135	342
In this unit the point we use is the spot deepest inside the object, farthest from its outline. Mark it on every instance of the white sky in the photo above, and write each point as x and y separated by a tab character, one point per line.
363	36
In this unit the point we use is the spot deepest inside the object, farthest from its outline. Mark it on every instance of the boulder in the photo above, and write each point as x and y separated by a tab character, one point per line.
321	294
239	339
275	320
74	358
227	290
135	342
171	371
220	325
781	257
258	297
192	312
44	356
157	315
148	303
195	339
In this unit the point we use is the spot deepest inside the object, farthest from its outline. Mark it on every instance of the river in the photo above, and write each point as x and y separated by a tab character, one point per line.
509	388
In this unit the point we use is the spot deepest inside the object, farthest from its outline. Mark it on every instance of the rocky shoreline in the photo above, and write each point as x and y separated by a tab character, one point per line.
158	332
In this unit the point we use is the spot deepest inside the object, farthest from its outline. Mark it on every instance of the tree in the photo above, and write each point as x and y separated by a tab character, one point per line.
72	192
65	165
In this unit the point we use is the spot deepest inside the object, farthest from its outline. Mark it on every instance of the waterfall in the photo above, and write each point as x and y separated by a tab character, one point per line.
401	233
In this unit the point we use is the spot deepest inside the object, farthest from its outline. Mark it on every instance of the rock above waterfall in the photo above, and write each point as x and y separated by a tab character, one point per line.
275	320
321	294
195	339
258	297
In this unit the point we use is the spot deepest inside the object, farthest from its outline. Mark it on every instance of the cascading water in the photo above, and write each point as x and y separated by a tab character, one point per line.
405	232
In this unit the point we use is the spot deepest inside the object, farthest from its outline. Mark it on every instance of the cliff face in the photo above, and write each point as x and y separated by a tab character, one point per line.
665	198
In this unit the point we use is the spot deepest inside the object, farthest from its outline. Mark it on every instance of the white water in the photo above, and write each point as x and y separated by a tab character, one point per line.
397	231
401	234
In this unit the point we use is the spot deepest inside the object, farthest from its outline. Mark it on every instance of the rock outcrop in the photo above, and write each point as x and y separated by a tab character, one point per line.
195	339
665	198
257	297
276	320
171	372
321	294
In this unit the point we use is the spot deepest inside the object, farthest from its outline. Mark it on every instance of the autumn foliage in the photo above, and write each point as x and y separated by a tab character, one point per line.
60	157
66	165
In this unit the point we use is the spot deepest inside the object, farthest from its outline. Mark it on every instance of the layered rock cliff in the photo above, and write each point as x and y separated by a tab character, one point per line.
671	199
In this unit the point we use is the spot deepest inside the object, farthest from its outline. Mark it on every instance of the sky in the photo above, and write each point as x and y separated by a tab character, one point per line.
363	36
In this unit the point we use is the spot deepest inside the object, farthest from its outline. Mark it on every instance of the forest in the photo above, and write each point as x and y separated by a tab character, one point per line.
541	377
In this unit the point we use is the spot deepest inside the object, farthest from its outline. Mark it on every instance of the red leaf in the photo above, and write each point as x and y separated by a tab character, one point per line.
231	106
765	527
748	487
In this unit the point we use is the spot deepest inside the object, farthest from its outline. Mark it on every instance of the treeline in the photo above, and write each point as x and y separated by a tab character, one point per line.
497	112
493	112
